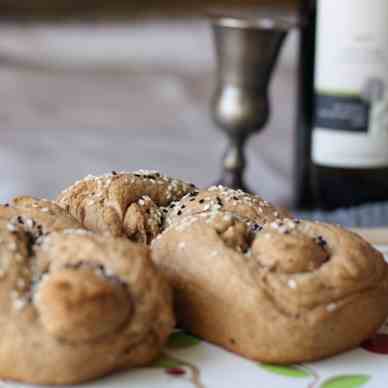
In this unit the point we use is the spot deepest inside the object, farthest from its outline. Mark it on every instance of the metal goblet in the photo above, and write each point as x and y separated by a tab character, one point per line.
247	48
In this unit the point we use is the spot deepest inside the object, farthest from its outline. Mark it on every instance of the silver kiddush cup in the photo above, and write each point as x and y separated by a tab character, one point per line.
247	48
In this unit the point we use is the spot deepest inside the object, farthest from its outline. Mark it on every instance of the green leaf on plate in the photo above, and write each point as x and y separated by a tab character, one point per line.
350	381
166	362
288	371
180	340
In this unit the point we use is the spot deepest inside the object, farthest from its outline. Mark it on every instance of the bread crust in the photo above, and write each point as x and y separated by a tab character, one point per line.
131	205
75	305
289	291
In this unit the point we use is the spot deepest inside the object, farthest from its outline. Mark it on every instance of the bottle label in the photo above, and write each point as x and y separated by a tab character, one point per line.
351	84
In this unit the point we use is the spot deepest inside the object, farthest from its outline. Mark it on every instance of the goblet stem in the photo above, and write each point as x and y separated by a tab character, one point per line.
234	164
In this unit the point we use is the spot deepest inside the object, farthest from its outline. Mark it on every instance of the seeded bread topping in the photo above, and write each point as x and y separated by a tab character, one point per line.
216	199
131	205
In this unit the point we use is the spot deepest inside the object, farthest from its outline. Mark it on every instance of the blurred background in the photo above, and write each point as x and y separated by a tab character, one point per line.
92	86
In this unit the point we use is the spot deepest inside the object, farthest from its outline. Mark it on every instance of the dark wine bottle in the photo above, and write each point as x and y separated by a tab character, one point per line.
302	166
343	111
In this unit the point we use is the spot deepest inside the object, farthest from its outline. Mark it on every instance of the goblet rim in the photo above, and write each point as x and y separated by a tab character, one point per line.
263	19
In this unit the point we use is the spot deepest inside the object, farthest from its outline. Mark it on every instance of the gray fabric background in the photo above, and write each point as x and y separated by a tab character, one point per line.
78	99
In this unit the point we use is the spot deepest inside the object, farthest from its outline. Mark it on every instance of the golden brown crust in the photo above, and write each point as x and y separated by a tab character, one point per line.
123	204
87	304
288	294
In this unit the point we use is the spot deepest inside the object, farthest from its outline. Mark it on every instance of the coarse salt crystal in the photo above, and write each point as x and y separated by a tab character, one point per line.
12	246
11	227
292	283
331	307
291	224
19	304
228	217
44	209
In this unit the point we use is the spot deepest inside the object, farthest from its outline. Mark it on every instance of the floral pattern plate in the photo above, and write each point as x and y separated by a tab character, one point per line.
188	362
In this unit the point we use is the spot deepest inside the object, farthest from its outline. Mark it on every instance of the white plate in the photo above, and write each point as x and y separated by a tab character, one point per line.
188	362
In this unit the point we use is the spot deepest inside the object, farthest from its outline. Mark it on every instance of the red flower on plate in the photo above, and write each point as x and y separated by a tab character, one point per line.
377	344
177	371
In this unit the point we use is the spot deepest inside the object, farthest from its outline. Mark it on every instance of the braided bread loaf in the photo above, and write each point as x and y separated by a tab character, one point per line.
254	281
74	305
122	204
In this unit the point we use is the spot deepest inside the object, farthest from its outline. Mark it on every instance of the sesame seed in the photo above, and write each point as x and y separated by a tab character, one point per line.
331	307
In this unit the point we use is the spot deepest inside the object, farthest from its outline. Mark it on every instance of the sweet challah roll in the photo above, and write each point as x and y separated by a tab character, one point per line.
131	205
290	291
74	305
